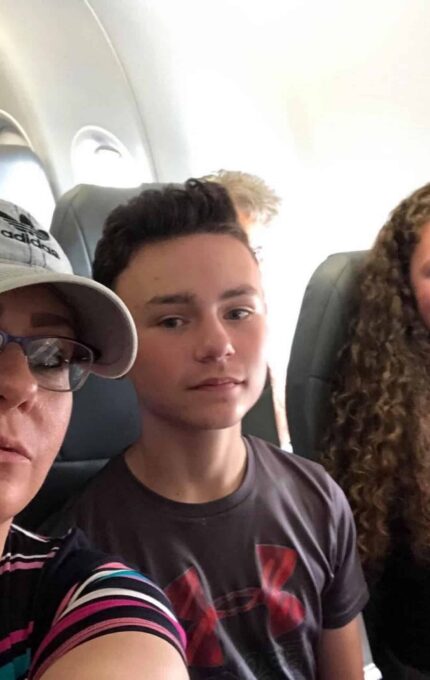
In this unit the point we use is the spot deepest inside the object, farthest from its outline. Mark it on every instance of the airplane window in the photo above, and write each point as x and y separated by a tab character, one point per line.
98	157
23	179
9	136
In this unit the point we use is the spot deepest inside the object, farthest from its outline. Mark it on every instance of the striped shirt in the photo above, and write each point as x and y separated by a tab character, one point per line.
57	593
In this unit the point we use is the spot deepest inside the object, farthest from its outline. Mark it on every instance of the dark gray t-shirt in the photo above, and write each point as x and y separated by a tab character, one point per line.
253	577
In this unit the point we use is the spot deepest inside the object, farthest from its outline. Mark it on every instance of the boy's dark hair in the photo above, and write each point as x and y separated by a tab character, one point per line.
160	215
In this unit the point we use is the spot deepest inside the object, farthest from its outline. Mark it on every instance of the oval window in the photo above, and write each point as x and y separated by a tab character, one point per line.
98	157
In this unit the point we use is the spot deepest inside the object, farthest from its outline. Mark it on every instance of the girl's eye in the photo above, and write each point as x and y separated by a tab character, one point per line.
172	322
239	314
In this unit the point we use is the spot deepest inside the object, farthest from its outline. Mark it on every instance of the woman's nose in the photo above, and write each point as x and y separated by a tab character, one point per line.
18	386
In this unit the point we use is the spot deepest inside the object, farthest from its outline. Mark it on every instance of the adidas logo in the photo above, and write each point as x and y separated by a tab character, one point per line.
29	234
24	238
25	225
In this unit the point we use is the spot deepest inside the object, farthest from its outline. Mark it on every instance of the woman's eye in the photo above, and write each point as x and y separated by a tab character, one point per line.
172	322
56	362
50	353
239	314
51	360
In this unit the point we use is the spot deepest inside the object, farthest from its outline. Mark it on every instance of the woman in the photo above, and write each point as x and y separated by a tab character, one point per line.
66	611
378	440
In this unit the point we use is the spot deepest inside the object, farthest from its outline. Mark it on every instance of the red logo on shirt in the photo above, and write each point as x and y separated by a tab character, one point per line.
285	612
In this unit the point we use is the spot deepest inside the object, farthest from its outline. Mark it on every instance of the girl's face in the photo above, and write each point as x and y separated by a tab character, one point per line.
420	274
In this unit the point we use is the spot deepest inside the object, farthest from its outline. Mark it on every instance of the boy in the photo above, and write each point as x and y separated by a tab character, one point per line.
254	547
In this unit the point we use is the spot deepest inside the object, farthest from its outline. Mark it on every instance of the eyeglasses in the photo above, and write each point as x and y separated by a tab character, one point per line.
58	364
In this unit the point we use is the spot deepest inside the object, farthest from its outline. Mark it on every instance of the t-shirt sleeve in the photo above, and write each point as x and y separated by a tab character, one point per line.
107	597
346	593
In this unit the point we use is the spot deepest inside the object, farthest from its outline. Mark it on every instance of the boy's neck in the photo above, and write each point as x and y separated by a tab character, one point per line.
188	466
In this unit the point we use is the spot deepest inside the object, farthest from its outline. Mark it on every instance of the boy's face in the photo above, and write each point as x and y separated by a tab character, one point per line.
200	316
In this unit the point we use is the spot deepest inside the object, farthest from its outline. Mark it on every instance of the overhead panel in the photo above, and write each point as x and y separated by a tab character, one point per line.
59	74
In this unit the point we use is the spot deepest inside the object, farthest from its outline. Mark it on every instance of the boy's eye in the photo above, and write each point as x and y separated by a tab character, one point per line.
239	314
171	322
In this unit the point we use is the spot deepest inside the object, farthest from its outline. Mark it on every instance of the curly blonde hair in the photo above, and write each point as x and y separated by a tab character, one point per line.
378	442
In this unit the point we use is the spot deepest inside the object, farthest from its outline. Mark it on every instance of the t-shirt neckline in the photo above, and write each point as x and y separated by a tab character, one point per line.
210	508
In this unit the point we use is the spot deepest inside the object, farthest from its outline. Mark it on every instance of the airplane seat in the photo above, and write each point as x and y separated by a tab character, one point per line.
105	417
321	330
79	217
320	333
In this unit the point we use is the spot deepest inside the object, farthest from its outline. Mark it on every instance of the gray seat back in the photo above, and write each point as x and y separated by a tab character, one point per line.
321	330
320	333
79	217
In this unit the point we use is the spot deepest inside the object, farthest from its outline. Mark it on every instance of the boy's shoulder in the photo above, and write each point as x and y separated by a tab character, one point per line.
273	459
302	482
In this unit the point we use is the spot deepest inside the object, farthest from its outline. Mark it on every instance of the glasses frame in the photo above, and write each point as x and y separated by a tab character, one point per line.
25	340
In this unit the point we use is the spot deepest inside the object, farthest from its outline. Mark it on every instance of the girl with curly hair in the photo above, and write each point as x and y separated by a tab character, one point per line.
378	442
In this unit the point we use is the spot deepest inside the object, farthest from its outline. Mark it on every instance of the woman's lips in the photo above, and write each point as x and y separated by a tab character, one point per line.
11	451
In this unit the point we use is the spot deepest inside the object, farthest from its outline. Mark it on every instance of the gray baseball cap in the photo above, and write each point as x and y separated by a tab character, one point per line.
29	256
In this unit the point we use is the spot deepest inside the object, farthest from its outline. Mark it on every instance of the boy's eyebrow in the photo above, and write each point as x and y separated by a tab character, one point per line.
186	298
173	299
240	290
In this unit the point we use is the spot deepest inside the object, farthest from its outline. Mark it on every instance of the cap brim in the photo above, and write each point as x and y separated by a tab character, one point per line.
105	322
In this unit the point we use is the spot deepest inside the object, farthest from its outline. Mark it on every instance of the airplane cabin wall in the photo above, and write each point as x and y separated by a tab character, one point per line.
329	102
58	73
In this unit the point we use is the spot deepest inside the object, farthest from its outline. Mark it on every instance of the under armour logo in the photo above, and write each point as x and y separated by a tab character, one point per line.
285	611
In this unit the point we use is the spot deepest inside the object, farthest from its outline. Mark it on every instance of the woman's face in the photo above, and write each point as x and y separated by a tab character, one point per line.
33	420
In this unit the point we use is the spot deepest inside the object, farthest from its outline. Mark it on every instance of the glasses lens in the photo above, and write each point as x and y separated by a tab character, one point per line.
59	364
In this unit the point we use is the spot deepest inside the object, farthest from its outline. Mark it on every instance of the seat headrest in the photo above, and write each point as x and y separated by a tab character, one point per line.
321	330
79	217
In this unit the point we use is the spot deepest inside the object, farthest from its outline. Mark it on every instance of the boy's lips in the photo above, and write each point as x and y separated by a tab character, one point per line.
208	383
